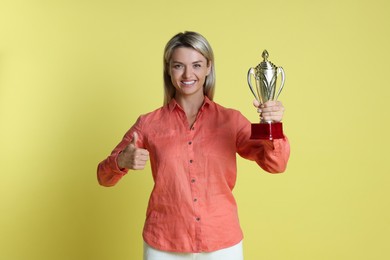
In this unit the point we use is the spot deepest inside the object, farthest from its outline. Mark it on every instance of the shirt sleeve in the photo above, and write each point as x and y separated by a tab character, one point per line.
108	172
271	155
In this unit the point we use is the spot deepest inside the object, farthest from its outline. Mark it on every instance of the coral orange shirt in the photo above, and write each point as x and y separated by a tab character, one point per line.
191	207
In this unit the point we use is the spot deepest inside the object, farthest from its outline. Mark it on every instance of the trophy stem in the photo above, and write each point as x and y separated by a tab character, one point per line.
267	131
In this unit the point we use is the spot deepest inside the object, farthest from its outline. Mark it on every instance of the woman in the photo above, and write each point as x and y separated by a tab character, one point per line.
192	144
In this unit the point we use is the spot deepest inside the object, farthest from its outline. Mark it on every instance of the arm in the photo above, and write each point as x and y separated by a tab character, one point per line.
275	155
271	156
126	155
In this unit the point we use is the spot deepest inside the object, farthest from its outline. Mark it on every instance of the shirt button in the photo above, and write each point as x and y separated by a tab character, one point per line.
197	219
191	161
195	200
189	142
193	180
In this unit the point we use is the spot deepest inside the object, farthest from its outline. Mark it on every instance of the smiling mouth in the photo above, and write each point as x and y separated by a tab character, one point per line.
187	83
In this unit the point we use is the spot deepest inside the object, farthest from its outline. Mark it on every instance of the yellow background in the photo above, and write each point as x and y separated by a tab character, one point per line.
75	75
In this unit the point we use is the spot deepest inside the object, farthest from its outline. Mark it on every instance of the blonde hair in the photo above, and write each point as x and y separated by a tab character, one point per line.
197	42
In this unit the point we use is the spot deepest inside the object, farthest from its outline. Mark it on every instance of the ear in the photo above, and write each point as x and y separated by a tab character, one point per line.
168	68
209	64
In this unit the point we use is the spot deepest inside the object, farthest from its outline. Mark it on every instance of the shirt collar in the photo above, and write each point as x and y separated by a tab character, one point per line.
173	103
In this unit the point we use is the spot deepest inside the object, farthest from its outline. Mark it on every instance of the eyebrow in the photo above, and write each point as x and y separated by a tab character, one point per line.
199	61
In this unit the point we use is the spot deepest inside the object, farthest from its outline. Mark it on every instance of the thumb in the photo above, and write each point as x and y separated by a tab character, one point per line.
256	103
135	139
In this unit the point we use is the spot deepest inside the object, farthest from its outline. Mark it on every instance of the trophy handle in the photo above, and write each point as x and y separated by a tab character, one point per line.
252	72
280	71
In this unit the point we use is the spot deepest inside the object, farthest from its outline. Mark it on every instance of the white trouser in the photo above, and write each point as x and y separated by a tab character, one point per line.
231	253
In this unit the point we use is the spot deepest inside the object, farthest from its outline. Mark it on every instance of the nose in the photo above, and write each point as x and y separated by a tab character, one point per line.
187	72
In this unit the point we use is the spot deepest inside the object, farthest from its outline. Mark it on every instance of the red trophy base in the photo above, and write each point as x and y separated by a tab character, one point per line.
268	131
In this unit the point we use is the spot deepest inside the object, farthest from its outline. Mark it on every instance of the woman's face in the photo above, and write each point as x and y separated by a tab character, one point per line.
188	71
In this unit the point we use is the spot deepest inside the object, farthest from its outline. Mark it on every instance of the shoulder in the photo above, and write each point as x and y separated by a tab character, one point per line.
226	110
153	121
231	116
155	114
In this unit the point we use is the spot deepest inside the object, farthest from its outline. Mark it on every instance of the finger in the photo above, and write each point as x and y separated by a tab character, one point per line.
272	110
138	167
257	104
135	139
139	164
272	107
141	157
269	103
143	152
139	152
274	116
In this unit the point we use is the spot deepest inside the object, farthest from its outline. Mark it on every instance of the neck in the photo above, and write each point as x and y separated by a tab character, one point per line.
190	105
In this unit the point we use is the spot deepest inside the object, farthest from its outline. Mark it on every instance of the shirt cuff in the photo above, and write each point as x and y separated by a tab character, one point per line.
115	168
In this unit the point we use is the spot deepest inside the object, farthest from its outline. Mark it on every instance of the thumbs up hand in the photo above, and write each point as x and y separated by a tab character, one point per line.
133	157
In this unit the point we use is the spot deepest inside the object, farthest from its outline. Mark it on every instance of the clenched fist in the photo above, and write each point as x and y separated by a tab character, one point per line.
270	110
133	157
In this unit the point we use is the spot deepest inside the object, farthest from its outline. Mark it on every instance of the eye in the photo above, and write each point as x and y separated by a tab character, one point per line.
197	65
177	66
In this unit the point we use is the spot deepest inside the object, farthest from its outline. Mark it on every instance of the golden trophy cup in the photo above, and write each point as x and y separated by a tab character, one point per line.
265	75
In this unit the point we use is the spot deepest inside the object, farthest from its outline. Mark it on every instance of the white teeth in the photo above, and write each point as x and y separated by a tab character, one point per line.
188	82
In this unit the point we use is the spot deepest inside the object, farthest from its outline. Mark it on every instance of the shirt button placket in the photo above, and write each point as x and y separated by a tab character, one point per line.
194	186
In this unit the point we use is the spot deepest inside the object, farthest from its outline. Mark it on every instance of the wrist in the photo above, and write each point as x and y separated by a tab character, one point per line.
119	162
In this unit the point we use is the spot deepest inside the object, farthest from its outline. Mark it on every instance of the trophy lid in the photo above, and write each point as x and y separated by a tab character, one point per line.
265	55
265	64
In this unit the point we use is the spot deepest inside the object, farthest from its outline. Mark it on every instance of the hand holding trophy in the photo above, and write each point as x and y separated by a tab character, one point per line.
265	75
